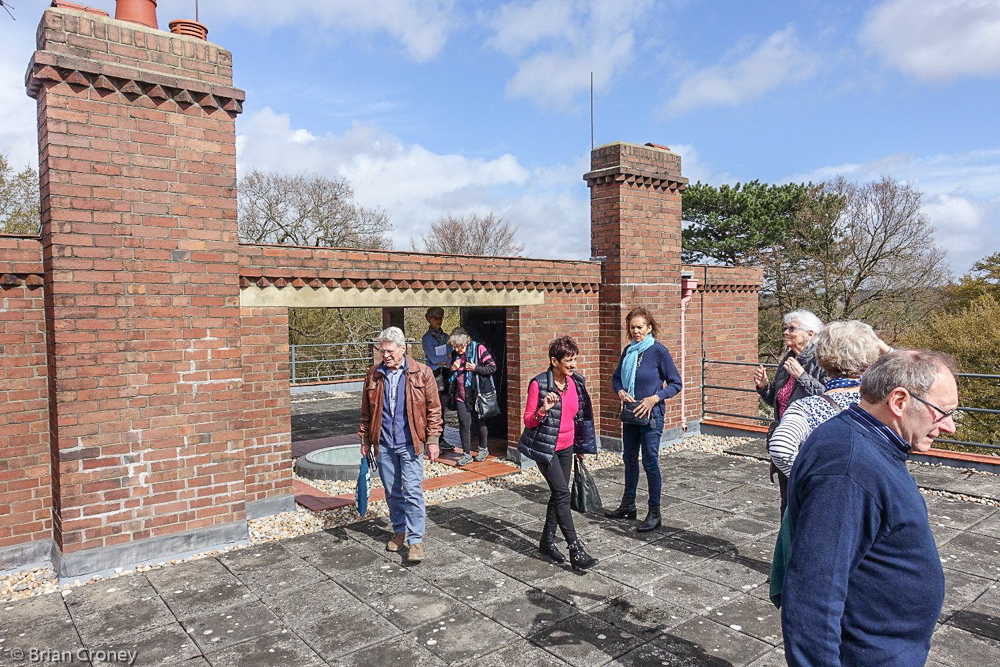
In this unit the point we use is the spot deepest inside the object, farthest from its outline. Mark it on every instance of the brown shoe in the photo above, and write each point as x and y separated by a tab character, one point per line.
415	554
396	543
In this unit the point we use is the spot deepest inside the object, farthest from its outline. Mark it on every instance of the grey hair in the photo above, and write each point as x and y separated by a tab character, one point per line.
458	337
846	349
806	320
913	370
392	335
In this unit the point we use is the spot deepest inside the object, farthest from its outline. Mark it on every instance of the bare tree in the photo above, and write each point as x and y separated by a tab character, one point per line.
307	210
19	200
471	234
860	251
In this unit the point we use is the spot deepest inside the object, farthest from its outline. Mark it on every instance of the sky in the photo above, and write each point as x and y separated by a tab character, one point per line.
433	107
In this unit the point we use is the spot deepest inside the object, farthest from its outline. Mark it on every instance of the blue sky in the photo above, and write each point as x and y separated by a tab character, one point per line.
432	107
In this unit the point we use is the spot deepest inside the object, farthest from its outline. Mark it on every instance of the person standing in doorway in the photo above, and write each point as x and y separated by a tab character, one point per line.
472	367
437	354
400	416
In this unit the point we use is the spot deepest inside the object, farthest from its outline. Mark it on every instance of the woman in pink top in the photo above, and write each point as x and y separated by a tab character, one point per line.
559	420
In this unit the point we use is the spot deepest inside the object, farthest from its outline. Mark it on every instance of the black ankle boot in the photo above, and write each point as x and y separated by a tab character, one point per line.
651	521
548	546
579	558
623	512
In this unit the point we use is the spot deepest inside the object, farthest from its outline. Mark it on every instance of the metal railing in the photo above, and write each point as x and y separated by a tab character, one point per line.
765	412
333	362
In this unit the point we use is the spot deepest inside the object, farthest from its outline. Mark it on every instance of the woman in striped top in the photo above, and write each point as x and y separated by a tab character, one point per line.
844	350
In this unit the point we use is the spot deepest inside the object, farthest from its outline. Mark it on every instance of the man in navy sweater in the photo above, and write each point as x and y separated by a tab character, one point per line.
865	584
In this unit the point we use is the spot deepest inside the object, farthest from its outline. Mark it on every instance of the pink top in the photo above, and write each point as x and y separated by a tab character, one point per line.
570	406
784	396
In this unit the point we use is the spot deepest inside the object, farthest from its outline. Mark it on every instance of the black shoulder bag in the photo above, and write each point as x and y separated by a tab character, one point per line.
628	409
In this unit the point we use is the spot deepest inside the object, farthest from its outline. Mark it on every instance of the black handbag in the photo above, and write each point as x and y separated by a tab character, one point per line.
629	416
628	409
487	404
439	379
585	496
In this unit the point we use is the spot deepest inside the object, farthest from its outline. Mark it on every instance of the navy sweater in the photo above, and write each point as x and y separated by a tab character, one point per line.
865	584
656	370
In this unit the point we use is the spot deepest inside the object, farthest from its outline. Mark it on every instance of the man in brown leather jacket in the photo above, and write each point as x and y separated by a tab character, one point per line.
400	415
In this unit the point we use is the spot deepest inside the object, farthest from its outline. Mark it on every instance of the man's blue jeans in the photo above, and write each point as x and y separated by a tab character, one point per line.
647	440
402	474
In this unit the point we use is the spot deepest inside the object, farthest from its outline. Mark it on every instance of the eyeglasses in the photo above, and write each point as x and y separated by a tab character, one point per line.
944	413
791	329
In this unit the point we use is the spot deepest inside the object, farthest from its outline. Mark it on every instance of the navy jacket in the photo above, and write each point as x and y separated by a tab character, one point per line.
539	443
657	368
865	584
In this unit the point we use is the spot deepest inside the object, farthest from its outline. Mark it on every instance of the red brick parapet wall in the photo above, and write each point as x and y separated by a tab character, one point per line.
281	266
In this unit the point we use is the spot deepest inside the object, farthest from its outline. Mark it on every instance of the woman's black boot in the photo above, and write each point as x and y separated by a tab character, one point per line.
623	512
579	558
651	521
548	545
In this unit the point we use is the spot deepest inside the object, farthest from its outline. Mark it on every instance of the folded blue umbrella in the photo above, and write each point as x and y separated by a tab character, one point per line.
364	489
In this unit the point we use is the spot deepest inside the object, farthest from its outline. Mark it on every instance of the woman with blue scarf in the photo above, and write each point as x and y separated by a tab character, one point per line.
469	360
644	379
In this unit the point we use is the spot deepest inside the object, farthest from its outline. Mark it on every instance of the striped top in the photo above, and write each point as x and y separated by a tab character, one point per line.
799	421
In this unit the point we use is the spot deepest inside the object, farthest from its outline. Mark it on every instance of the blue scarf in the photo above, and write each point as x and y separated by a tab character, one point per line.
631	362
470	355
842	383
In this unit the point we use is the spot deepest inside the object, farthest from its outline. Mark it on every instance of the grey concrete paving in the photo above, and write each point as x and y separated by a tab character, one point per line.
692	593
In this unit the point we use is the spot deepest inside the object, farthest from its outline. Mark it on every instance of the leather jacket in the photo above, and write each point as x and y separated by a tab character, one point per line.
423	406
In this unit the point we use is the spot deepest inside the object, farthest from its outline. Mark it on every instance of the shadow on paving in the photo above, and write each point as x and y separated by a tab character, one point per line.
694	592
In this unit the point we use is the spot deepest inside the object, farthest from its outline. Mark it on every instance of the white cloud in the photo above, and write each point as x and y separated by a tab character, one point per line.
961	195
18	131
779	60
559	43
416	185
936	39
421	26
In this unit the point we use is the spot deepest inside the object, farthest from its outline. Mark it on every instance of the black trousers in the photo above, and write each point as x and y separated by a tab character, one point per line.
782	487
557	473
468	420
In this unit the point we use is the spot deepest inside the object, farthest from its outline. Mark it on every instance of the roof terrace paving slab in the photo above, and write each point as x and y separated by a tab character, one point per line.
483	553
973	554
529	568
675	552
698	595
955	647
403	651
957	514
528	612
585	641
479	585
989	526
410	609
776	658
116	608
977	622
47	609
751	616
642	614
739	530
442	560
633	570
193	588
220	628
462	641
584	590
384	579
276	649
714	641
270	568
153	647
58	636
318	614
520	654
961	590
730	570
349	558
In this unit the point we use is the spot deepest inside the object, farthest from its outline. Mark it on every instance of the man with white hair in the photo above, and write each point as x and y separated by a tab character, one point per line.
400	414
864	585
